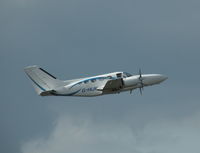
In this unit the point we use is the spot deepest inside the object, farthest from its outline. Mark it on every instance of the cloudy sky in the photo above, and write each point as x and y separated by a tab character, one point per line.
76	38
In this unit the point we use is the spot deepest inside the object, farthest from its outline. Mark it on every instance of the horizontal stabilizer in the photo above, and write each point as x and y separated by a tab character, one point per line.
47	93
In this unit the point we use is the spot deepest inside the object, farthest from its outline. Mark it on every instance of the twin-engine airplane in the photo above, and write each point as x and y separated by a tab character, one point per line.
47	85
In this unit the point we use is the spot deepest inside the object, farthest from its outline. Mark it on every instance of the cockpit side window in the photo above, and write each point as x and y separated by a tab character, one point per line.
125	75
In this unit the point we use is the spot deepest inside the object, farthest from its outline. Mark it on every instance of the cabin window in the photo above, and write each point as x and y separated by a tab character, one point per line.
86	81
109	77
80	83
119	75
101	78
93	80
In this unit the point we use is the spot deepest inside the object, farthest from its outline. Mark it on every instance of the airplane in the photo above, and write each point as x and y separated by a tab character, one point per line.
46	84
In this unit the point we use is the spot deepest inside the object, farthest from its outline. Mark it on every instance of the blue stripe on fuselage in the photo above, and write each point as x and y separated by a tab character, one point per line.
70	94
88	80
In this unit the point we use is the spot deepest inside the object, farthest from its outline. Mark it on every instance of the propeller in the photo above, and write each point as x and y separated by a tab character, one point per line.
141	82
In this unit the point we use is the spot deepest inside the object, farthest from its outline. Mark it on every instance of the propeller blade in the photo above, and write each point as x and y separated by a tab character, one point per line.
140	73
141	81
140	91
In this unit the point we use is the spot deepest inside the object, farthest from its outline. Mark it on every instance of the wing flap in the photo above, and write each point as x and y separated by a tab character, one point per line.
112	85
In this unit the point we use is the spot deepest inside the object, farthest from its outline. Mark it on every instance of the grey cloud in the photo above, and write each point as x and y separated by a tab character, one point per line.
81	134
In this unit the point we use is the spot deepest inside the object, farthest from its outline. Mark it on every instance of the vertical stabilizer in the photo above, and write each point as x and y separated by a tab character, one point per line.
42	80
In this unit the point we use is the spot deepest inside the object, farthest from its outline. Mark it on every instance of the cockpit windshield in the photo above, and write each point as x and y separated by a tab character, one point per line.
125	74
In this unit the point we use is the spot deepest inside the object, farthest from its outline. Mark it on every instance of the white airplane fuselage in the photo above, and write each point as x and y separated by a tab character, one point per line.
47	85
90	86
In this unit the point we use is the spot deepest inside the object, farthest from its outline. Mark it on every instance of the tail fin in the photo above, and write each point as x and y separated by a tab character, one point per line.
43	81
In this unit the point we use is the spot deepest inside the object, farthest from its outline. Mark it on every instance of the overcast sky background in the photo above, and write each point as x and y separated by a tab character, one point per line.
76	38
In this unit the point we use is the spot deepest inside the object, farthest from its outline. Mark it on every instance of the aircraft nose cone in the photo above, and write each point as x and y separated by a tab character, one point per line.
163	78
154	79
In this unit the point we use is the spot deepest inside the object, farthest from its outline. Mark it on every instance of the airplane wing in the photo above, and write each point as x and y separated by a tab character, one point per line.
112	85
